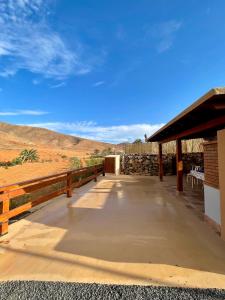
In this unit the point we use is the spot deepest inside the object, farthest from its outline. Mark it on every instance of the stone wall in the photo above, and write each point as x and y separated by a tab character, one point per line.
147	164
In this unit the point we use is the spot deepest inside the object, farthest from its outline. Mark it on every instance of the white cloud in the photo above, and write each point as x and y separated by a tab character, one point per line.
98	83
112	134
28	42
164	33
22	112
55	86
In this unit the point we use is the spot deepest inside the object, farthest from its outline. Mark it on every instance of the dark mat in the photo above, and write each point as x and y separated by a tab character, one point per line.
59	290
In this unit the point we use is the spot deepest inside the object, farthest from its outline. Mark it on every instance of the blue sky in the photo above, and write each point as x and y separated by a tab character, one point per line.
107	70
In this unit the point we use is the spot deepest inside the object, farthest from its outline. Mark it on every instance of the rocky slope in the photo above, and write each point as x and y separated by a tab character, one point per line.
15	136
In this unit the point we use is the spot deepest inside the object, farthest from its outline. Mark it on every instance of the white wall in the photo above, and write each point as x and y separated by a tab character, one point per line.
118	165
212	203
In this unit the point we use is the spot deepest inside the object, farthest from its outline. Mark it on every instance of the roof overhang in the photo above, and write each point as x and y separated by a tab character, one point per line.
200	120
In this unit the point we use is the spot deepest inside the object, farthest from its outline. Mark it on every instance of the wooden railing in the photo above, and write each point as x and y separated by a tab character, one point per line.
40	190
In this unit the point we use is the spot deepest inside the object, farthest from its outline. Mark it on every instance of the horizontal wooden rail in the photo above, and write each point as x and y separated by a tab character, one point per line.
65	183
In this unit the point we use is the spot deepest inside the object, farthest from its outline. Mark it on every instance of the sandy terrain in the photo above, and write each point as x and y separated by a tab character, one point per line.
54	150
50	162
29	171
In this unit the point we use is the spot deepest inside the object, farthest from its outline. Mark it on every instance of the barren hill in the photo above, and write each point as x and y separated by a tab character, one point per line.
15	136
54	150
37	136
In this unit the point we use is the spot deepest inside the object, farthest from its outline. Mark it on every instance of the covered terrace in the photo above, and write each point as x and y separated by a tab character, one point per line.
205	119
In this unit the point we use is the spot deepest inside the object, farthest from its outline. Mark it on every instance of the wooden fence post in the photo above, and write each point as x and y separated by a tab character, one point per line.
95	173
5	209
179	165
69	184
103	169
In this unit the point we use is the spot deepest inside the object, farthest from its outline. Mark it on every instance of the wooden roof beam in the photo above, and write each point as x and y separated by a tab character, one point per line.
198	129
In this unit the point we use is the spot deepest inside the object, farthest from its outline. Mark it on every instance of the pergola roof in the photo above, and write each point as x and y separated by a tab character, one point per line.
200	120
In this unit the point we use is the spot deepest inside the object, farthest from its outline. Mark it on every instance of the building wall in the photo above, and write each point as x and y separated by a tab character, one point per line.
211	164
211	184
212	203
221	158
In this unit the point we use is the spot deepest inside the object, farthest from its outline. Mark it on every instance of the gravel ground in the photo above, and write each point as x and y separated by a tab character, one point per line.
60	290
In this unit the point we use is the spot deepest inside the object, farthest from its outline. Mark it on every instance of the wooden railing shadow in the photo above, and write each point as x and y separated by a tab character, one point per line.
36	191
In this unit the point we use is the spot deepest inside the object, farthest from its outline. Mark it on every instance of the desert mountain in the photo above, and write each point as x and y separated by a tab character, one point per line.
54	150
16	136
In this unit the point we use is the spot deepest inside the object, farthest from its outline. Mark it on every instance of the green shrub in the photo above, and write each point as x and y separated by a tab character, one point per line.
5	163
25	156
75	163
16	161
29	155
137	141
92	161
107	151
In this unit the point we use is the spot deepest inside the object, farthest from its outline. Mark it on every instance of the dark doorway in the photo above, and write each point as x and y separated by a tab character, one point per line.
110	165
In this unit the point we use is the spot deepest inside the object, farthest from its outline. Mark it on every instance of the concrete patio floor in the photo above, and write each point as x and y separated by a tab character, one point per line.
120	230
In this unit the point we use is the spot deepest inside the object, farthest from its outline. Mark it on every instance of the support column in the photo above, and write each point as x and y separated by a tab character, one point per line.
95	173
221	164
160	163
179	165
